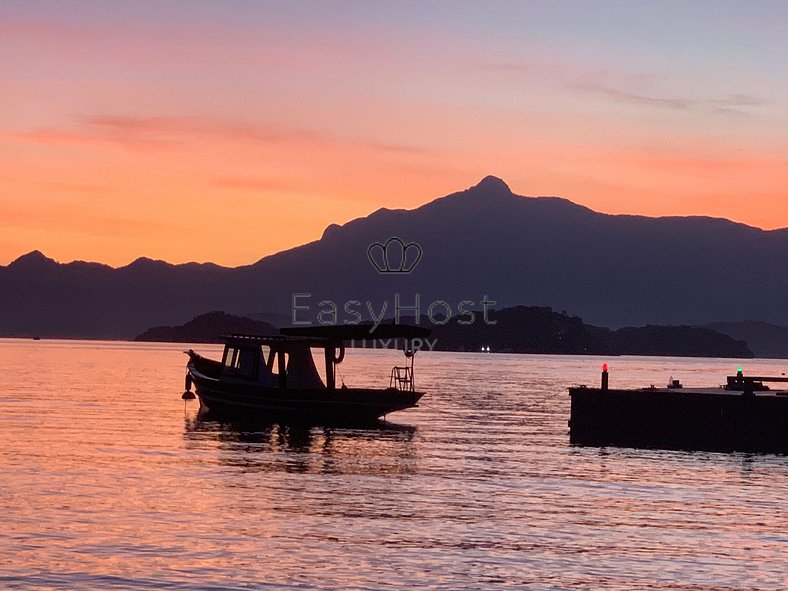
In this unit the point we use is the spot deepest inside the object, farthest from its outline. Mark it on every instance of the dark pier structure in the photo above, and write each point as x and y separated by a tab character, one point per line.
743	415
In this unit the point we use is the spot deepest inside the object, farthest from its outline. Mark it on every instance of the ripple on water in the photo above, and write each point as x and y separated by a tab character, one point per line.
111	481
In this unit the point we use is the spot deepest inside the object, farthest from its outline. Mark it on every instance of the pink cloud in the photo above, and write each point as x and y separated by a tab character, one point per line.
165	131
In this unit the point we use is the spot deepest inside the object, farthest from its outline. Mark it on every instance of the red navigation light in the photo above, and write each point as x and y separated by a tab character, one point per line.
604	367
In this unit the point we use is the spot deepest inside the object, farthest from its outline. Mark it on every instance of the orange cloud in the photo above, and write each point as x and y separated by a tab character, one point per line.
167	131
238	145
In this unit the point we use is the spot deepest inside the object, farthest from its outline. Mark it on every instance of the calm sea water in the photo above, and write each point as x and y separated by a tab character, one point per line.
108	480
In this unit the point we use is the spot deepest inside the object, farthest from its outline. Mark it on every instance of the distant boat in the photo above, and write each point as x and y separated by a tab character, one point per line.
36	338
276	376
743	415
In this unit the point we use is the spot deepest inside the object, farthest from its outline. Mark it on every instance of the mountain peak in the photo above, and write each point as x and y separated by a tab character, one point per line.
493	185
146	263
330	231
33	259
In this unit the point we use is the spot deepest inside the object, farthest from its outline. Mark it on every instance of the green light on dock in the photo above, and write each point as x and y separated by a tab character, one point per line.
738	369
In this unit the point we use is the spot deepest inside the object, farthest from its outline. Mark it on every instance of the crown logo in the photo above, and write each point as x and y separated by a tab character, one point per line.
394	256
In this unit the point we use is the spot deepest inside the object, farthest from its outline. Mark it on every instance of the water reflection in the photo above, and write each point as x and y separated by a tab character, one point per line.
108	483
381	448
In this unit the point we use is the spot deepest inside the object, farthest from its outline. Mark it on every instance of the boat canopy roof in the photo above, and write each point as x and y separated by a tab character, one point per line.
275	341
357	332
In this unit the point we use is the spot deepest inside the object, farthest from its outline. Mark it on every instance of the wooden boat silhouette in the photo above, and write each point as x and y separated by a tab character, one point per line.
277	377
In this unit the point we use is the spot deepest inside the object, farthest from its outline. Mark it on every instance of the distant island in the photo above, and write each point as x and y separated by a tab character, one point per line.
765	340
207	328
522	329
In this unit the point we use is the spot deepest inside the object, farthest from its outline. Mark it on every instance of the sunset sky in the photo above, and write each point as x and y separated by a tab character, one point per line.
226	131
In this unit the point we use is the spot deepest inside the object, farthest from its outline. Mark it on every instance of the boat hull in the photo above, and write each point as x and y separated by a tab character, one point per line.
341	405
702	419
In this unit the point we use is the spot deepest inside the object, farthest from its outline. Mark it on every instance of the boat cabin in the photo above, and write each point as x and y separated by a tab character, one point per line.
306	358
401	377
293	375
280	361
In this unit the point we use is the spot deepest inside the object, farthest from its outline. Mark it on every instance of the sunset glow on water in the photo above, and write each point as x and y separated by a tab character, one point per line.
111	481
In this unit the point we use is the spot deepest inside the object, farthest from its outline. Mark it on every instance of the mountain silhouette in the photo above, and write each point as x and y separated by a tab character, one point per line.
612	270
207	328
765	340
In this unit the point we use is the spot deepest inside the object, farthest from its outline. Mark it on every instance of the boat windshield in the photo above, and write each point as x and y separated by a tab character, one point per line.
240	361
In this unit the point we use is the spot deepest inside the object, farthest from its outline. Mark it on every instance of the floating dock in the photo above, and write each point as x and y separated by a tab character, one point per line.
743	415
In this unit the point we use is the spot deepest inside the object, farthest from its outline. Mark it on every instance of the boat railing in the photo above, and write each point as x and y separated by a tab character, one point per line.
402	378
